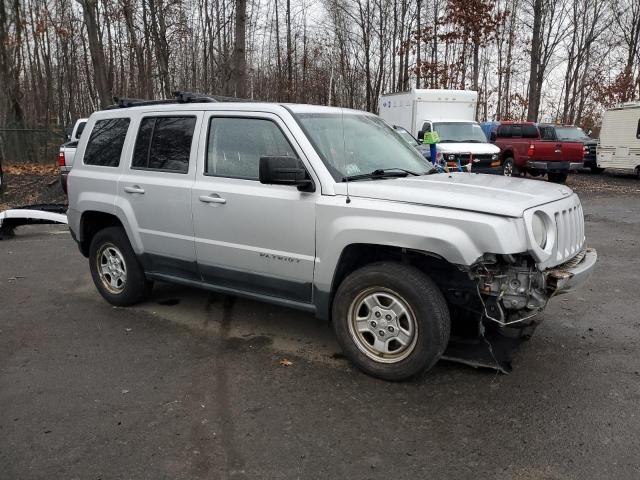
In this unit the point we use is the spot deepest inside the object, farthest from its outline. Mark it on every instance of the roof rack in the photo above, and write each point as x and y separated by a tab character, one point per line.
180	97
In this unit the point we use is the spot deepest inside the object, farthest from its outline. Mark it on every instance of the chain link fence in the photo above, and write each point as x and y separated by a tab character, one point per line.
30	145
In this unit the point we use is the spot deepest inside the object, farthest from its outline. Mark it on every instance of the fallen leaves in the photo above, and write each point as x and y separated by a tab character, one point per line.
30	169
30	183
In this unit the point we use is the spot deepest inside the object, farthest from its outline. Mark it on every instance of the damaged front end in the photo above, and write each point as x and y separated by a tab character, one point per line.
494	311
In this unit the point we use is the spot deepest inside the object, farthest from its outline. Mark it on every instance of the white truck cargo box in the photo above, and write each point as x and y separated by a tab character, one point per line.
411	109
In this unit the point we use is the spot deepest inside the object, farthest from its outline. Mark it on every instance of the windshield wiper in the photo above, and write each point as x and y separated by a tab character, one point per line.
382	173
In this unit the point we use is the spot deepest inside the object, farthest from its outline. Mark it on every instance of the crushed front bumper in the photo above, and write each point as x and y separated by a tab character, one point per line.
570	275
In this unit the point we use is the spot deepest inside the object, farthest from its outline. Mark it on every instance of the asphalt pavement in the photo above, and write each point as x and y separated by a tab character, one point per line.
195	385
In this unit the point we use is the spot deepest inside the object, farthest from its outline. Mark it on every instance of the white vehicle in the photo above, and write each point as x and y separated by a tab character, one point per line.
68	151
450	113
619	144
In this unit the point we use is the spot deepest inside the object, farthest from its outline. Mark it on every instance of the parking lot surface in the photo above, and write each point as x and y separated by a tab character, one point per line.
198	385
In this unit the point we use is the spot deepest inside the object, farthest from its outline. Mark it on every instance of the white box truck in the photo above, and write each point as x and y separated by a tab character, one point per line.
619	143
452	114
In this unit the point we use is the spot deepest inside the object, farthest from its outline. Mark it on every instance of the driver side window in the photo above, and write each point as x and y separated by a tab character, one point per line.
235	145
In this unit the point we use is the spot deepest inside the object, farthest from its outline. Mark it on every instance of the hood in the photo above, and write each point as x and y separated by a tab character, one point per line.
496	195
475	148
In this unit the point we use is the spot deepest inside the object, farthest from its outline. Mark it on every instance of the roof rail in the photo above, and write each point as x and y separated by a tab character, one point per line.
180	97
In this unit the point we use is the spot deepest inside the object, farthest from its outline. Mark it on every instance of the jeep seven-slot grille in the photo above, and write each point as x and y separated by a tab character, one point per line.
570	232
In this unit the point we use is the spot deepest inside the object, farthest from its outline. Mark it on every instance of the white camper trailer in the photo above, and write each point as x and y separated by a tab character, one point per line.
410	110
619	144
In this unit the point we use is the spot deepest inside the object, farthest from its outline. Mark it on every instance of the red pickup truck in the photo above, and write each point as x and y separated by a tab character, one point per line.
524	150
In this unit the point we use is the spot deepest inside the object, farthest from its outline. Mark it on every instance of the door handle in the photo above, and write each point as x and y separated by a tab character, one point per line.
134	189
213	198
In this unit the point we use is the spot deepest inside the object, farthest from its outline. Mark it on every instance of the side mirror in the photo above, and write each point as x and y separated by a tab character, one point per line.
492	136
285	171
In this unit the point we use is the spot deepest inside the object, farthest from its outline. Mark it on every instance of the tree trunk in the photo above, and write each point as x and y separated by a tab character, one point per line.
534	65
289	53
97	53
239	51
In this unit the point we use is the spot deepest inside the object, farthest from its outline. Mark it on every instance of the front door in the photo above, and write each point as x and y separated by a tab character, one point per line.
249	236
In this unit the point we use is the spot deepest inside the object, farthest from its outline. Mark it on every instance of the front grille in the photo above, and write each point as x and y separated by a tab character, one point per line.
569	231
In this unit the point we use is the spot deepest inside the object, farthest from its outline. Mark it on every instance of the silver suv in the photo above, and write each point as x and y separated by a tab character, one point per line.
322	209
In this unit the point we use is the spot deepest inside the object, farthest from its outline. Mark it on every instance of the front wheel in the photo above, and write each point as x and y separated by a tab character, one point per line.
557	177
391	320
116	271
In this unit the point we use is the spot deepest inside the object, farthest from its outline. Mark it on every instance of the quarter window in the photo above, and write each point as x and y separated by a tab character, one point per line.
235	146
105	143
164	144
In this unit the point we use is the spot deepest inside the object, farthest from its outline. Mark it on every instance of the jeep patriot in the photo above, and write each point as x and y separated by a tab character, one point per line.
323	209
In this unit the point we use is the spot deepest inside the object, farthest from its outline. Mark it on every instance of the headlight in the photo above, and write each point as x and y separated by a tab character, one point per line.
539	228
494	156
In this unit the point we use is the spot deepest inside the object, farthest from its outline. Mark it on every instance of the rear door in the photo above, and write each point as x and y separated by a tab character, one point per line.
252	237
154	190
548	148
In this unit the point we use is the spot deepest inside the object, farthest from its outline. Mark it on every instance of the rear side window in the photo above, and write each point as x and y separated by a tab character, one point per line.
164	144
235	146
504	131
529	131
516	131
547	133
106	141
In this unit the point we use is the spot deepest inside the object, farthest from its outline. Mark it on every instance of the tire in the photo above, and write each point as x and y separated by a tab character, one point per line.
557	177
408	320
509	169
596	169
111	256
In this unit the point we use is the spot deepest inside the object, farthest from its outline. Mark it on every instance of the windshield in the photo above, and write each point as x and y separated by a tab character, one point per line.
459	132
571	133
355	144
406	136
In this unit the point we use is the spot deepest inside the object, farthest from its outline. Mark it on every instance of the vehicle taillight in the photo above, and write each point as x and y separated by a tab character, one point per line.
61	159
531	150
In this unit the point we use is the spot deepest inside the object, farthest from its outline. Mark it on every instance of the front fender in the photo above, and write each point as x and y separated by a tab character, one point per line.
460	237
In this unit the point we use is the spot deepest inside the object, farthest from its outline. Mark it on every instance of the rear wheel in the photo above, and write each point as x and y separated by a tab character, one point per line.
509	169
557	177
391	320
115	269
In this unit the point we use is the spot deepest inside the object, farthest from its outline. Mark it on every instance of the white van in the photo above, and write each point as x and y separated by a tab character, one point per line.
452	114
619	144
